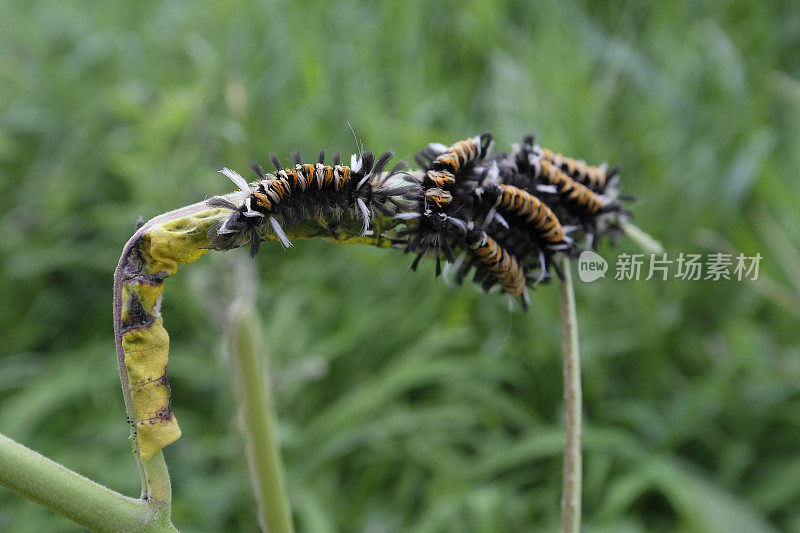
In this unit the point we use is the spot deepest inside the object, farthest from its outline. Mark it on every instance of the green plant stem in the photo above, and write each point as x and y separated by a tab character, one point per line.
258	421
79	499
571	496
644	240
159	488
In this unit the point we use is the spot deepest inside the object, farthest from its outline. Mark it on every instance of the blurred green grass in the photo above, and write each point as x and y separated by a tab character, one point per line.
406	404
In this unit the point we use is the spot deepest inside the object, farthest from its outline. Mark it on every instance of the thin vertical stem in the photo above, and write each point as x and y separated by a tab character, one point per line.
571	496
259	422
158	483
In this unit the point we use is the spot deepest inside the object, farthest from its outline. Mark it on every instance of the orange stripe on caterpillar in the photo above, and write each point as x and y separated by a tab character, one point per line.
262	200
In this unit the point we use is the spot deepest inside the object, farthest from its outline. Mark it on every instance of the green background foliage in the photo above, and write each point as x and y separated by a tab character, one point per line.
407	404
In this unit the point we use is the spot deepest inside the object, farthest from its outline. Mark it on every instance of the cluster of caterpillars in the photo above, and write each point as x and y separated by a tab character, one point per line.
505	216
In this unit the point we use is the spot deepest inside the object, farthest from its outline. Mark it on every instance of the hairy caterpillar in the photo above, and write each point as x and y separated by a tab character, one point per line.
498	260
317	191
455	157
522	203
594	177
585	201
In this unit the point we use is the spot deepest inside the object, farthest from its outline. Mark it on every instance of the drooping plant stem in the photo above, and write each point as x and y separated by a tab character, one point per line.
573	462
79	499
150	256
249	372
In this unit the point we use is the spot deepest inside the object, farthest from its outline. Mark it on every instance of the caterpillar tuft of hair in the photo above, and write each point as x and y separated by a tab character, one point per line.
307	191
507	216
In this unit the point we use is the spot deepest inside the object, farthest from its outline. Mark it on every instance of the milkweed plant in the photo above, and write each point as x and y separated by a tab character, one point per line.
511	220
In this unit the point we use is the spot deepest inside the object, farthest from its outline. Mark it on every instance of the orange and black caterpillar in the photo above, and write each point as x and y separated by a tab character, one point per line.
498	261
531	209
581	201
579	196
462	153
593	177
447	161
318	191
